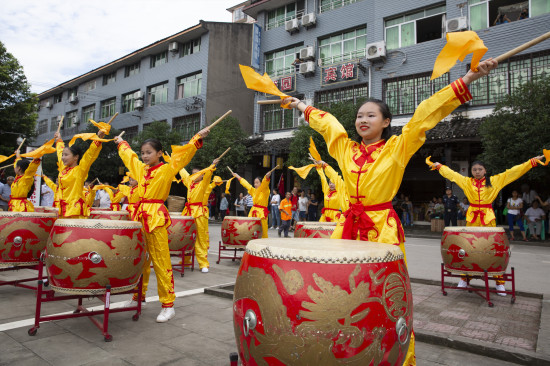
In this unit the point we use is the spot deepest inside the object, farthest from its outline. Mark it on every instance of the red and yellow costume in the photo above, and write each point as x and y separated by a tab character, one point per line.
114	197
194	207
71	180
216	181
21	187
89	195
373	173
154	184
55	190
133	197
260	198
333	200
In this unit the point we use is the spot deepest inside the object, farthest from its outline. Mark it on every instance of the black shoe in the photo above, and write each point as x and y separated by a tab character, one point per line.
286	236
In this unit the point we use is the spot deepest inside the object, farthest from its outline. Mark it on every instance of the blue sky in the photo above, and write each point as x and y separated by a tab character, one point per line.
58	40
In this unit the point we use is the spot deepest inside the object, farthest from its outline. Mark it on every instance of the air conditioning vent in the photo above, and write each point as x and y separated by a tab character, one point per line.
292	25
76	121
307	68
173	47
376	51
456	24
309	20
48	105
73	99
138	95
307	53
138	104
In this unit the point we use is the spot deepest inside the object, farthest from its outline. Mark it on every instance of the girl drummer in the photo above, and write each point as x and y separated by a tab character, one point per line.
334	197
373	168
154	181
24	179
260	197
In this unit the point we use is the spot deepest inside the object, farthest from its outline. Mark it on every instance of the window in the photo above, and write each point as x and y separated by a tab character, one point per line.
72	92
88	113
43	126
404	94
108	108
57	98
53	123
276	118
158	94
187	126
348	94
327	5
485	13
128	102
190	47
509	76
109	78
280	62
132	69
159	59
189	86
422	26
130	132
71	120
278	17
90	85
345	46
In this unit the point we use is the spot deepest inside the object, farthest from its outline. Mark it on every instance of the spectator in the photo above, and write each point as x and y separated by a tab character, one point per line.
524	14
286	214
295	214
239	205
398	206
47	195
275	213
463	208
5	193
302	206
407	210
224	206
212	205
431	208
501	19
535	215
450	201
102	199
296	64
528	195
439	209
248	203
514	206
312	208
545	205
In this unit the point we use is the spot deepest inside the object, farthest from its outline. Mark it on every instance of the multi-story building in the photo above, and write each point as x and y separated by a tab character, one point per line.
186	79
325	51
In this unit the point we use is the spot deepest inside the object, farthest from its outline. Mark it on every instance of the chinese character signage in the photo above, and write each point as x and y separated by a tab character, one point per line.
256	38
338	73
286	84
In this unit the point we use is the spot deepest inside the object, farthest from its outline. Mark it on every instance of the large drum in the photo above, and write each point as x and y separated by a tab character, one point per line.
313	229
45	209
322	302
474	250
238	230
109	215
182	233
84	256
23	236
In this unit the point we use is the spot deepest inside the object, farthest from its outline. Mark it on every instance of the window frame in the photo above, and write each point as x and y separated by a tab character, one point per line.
182	125
180	92
124	107
85	114
356	54
285	70
105	106
132	69
355	97
149	93
274	110
332	3
155	59
299	11
109	78
71	119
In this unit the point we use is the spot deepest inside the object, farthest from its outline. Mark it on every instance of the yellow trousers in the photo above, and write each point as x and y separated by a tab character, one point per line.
264	227
159	254
203	241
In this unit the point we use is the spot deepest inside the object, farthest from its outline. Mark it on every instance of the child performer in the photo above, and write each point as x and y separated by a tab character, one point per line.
481	190
89	193
216	181
155	179
373	168
334	192
73	171
55	190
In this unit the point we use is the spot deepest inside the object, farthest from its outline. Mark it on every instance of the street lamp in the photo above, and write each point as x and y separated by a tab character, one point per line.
19	140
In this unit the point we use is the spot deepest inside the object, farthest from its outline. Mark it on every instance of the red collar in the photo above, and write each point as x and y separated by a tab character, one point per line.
365	152
152	169
479	183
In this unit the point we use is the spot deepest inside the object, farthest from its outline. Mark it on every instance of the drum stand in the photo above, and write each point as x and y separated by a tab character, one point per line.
180	267
44	296
229	248
483	292
19	283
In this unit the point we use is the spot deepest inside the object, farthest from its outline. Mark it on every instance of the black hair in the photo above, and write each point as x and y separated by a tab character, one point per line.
75	150
23	164
156	145
487	176
385	110
258	178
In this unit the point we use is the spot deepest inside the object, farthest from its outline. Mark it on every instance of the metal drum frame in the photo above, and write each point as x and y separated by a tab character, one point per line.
229	248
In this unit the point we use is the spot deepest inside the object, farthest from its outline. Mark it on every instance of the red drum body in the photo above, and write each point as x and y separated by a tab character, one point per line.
182	233
109	215
45	209
312	229
322	302
238	230
474	250
84	256
23	236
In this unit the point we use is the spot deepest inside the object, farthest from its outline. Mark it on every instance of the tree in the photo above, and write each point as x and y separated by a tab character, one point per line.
17	103
518	129
161	131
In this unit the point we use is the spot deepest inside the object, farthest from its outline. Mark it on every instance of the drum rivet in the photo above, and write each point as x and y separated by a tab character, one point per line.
17	241
402	330
249	322
461	253
94	257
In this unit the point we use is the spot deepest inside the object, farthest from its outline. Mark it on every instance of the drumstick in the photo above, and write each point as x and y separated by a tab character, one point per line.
6	166
219	119
272	170
21	144
230	171
60	124
122	133
524	46
269	101
94	181
112	118
225	152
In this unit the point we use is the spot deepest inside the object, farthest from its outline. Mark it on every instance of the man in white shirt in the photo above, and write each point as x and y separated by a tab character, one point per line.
102	199
275	214
47	196
534	215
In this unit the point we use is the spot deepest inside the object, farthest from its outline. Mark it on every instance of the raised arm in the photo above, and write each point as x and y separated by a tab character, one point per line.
59	146
49	183
451	175
130	159
182	155
503	179
90	155
246	185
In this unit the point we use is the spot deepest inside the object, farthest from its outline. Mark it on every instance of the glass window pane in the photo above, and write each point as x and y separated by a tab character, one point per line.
336	38
361	43
395	21
539	7
361	32
392	38
407	34
324	51
433	11
478	16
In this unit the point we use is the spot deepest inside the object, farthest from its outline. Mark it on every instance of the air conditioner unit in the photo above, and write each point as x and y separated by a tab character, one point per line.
376	51
138	104
48	105
76	120
59	118
309	19
307	53
138	95
173	47
73	99
307	67
291	25
456	24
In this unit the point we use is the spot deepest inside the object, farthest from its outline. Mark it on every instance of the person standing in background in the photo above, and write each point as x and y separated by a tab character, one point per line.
224	206
286	214
464	205
302	206
5	193
275	214
248	203
312	208
239	205
47	195
450	201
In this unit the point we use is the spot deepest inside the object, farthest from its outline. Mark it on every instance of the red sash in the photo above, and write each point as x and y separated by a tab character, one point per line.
266	211
480	213
357	221
115	206
10	205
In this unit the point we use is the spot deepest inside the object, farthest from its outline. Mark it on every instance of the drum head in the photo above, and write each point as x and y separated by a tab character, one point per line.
324	250
98	224
475	229
27	214
235	218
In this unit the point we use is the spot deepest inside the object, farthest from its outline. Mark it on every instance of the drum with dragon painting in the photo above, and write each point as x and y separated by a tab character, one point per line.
109	215
313	229
473	250
322	302
84	256
23	236
238	230
182	232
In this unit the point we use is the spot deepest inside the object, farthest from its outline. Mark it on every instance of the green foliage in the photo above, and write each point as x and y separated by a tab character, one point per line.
228	133
17	103
517	130
346	113
157	130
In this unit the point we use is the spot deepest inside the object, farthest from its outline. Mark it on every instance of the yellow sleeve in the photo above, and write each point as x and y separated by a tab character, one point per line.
181	157
124	189
131	160
453	176
184	177
327	125
59	146
265	184
90	155
247	186
340	186
49	183
324	183
503	179
109	192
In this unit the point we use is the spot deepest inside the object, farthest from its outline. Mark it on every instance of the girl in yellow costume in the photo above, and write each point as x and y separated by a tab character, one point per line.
24	179
260	197
73	171
373	168
155	179
216	181
89	193
481	191
197	184
334	192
